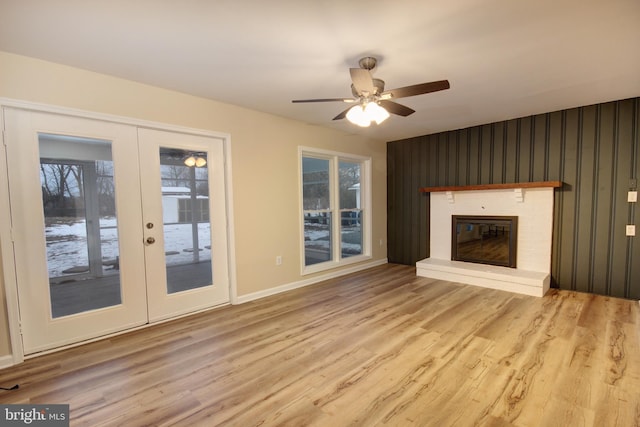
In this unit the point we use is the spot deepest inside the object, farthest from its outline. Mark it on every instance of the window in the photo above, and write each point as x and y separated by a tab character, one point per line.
185	210
335	209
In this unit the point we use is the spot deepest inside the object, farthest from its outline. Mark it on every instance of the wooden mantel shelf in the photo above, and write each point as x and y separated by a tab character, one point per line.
540	184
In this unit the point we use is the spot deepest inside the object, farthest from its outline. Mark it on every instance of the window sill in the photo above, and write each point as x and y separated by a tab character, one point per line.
331	265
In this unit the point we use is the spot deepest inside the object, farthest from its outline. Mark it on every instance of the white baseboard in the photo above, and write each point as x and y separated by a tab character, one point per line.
306	282
6	361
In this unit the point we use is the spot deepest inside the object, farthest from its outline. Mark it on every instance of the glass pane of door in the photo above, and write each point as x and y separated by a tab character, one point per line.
78	198
185	217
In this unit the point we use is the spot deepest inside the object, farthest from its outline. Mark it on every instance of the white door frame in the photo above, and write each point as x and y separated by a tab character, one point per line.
6	237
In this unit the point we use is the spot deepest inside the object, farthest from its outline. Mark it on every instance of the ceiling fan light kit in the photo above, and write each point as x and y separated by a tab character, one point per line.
364	115
196	161
373	103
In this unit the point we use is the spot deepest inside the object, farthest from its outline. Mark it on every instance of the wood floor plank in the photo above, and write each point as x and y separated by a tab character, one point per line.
378	347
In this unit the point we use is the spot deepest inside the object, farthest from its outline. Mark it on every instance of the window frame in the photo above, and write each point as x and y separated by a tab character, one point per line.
334	158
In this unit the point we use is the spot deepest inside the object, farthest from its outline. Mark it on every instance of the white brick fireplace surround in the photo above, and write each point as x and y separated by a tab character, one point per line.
532	203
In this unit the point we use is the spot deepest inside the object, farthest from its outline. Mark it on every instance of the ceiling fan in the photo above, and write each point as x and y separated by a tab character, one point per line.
373	103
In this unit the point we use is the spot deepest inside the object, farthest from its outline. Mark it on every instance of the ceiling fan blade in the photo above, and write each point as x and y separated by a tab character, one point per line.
362	80
342	115
418	89
395	108
324	100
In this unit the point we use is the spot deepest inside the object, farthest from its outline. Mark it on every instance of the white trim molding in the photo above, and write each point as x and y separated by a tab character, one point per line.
307	282
6	361
334	158
6	254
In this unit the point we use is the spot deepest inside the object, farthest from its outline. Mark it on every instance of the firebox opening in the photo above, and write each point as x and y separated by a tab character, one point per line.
484	239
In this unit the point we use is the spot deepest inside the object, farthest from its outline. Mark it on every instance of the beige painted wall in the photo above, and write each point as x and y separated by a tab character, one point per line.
264	159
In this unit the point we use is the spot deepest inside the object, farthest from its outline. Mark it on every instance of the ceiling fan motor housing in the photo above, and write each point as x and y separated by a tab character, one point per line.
378	85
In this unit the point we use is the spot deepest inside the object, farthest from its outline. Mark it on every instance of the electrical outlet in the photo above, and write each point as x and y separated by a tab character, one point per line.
632	196
631	230
278	260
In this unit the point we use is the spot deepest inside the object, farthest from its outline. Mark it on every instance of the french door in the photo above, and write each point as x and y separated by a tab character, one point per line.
113	225
185	232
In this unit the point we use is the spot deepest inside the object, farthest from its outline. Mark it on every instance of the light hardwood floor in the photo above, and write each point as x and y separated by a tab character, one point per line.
379	347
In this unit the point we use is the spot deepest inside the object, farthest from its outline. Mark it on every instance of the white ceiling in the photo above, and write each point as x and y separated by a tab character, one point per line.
504	58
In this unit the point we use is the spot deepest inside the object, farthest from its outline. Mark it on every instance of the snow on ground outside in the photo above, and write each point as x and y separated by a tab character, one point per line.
67	244
67	248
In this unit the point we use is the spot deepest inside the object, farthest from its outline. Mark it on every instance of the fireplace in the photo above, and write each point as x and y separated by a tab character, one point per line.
484	239
485	214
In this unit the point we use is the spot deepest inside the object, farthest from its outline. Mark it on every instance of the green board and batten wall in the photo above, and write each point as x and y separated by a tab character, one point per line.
593	150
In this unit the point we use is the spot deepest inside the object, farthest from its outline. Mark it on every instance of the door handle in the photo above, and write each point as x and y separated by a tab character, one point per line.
150	240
